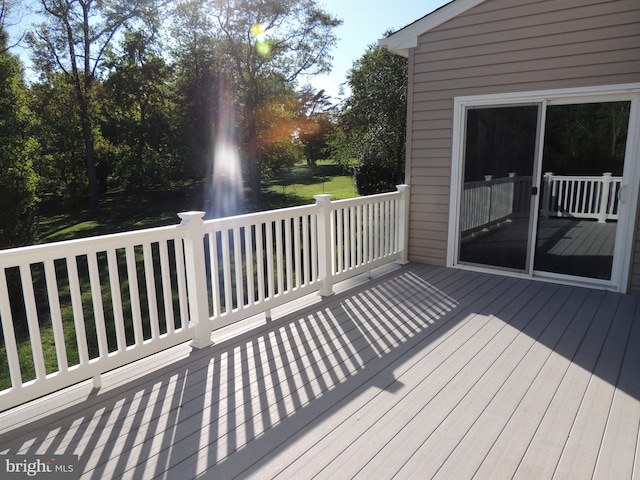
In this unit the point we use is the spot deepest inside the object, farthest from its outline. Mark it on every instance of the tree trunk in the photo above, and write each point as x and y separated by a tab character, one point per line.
254	155
94	188
90	154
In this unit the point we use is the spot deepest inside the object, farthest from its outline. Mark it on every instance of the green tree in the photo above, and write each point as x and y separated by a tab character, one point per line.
59	141
293	125
137	111
278	127
198	69
18	181
273	39
372	122
317	124
73	40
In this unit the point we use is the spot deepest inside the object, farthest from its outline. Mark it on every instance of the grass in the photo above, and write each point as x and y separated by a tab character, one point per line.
121	212
301	182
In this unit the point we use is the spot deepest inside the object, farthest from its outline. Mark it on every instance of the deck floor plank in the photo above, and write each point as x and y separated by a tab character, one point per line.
508	448
545	449
424	372
432	415
618	450
474	445
360	404
505	353
426	383
580	454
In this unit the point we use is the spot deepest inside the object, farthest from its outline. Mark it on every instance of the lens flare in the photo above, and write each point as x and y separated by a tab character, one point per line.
263	47
227	188
258	32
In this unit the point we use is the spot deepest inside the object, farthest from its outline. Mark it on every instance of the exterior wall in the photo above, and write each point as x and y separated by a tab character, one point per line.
504	46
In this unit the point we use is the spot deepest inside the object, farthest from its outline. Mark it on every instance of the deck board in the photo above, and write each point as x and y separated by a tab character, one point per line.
510	445
619	445
423	372
367	406
545	449
510	396
468	390
580	454
520	339
383	416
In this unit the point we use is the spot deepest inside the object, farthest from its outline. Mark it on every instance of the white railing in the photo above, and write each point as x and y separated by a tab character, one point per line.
494	200
581	196
77	309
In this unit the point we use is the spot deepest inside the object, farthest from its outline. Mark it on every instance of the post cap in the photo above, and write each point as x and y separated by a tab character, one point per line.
186	217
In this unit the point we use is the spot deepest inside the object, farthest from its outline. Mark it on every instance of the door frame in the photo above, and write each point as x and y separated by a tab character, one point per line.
625	234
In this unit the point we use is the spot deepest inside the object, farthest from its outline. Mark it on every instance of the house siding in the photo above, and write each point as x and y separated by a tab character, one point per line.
504	46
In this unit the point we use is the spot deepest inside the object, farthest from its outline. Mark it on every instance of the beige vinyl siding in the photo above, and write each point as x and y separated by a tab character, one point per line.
504	46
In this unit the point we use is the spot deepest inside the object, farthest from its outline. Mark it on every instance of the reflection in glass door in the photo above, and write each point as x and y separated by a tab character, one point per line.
582	166
572	227
499	158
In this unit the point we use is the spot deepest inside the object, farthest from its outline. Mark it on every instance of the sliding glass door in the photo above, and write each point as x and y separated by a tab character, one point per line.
541	187
582	165
500	154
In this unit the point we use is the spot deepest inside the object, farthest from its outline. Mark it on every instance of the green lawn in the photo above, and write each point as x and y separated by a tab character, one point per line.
298	185
120	212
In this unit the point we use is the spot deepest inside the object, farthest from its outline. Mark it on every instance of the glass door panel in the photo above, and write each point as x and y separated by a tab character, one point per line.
499	158
582	166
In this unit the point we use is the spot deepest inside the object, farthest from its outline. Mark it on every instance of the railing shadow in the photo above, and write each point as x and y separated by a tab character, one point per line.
204	411
226	410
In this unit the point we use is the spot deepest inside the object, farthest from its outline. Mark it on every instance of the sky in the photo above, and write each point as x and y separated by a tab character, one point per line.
364	22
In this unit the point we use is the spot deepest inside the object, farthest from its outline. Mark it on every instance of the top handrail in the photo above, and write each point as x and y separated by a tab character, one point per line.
80	246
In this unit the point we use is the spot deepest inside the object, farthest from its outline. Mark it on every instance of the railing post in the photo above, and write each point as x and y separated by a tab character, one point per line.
403	227
489	190
325	245
546	196
511	195
603	213
196	278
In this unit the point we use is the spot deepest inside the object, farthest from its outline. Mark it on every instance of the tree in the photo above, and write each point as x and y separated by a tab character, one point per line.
275	39
11	13
73	40
278	127
137	110
199	70
57	133
372	122
18	181
317	125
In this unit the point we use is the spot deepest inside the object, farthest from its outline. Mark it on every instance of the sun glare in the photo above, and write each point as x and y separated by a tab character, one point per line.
227	191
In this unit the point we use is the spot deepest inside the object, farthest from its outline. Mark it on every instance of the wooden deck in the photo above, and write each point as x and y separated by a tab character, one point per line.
423	373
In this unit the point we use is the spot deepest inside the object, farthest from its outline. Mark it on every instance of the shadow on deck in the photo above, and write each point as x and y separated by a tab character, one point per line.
424	371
